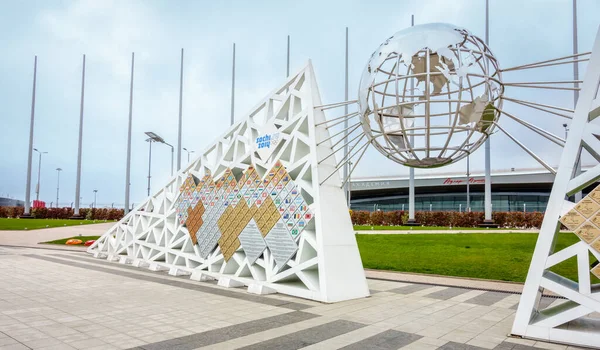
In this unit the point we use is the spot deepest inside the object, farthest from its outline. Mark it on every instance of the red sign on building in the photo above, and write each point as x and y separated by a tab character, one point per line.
472	181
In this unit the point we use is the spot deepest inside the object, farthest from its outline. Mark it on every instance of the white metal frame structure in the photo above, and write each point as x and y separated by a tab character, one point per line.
430	106
565	321
327	266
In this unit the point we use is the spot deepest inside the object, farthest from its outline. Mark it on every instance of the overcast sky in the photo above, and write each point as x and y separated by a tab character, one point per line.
59	32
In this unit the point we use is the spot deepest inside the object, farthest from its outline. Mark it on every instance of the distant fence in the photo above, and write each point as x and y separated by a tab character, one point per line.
63	213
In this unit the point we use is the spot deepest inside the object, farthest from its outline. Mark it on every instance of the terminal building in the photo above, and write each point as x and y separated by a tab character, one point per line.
11	202
512	190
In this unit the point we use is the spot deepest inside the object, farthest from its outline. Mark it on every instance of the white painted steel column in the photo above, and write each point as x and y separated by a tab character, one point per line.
488	155
288	57
27	211
180	114
78	181
346	187
578	195
233	85
128	166
411	170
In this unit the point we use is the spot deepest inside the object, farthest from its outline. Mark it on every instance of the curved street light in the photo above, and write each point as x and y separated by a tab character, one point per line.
58	170
153	137
188	153
37	187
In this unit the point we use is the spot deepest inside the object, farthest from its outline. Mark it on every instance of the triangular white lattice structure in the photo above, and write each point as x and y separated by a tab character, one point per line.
325	263
565	321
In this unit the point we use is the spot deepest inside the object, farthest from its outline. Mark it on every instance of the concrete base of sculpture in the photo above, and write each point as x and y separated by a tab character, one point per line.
260	289
174	271
229	283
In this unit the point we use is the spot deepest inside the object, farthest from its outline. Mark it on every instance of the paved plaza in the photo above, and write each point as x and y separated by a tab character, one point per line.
53	299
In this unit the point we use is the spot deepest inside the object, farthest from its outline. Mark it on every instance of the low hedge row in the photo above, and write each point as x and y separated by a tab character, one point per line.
447	218
376	218
63	213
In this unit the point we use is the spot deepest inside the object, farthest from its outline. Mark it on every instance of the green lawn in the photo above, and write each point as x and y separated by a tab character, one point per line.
64	240
34	224
504	257
416	228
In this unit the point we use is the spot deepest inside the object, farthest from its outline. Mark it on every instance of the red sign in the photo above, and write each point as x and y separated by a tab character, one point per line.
39	204
472	180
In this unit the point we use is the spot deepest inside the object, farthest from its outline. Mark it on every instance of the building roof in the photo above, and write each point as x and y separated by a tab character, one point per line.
510	176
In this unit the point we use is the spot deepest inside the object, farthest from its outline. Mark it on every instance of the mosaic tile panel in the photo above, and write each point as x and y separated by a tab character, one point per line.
253	213
584	221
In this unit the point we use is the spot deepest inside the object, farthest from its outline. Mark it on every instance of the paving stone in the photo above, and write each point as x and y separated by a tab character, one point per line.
411	288
187	285
488	298
448	293
458	346
223	334
42	291
387	340
307	337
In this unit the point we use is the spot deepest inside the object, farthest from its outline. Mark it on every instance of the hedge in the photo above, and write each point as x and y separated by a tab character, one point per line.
448	218
376	218
63	213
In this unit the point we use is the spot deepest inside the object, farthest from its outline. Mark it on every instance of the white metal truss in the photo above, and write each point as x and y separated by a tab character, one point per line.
327	266
566	322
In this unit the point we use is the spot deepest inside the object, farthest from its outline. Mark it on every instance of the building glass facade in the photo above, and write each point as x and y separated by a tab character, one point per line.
529	202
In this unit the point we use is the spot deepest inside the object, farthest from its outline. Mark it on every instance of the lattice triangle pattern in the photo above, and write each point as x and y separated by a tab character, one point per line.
568	320
251	210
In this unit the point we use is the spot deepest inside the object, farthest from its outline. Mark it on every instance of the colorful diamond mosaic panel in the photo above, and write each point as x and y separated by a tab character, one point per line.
230	213
584	221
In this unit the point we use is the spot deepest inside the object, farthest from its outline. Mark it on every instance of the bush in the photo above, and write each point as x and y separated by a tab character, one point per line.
359	217
63	213
448	218
377	218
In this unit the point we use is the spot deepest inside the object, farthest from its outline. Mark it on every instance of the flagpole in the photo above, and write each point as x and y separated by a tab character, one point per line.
346	189
233	85
76	214
180	113
411	170
128	167
488	221
27	210
578	195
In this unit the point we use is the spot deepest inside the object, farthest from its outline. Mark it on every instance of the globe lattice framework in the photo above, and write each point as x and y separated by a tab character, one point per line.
430	95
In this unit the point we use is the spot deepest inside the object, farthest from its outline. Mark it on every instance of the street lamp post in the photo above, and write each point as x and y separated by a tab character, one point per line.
37	187
155	138
95	191
58	170
149	162
172	154
188	153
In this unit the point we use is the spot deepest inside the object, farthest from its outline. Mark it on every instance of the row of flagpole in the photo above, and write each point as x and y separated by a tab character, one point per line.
76	214
487	194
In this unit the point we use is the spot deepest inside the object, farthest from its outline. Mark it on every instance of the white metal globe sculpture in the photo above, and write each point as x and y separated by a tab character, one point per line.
428	95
